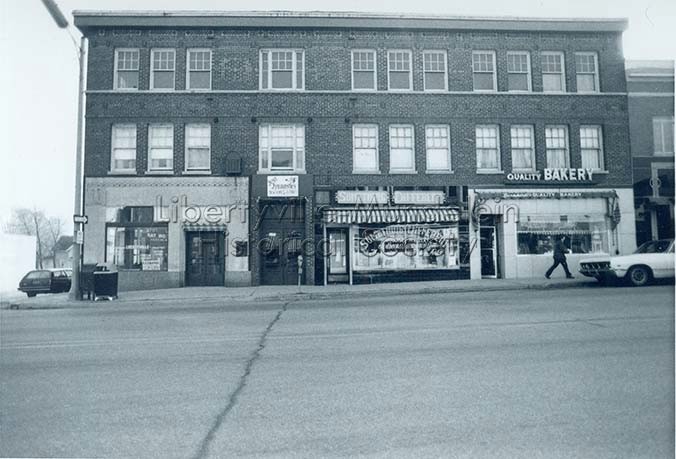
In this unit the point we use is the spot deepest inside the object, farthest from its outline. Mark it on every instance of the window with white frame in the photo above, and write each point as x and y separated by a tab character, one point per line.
197	147
483	69
591	146
126	68
399	70
402	150
363	69
553	72
282	69
438	148
160	147
523	148
663	135
198	69
586	71
162	68
434	67
556	147
123	148
518	71
282	147
365	148
487	148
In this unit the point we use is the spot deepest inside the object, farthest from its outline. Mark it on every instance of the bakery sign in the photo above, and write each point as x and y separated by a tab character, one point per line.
553	175
281	186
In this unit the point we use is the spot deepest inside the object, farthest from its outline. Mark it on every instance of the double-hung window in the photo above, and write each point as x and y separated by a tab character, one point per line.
518	71
553	72
399	75
487	148
556	147
282	147
365	148
402	149
434	66
363	69
586	71
198	69
591	147
197	148
483	69
126	69
663	135
282	69
523	148
438	148
160	147
123	148
162	68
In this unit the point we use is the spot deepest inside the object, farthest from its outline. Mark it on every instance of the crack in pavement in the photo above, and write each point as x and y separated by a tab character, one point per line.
232	400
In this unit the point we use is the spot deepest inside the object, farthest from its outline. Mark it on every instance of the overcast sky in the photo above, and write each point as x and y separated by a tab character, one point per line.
40	72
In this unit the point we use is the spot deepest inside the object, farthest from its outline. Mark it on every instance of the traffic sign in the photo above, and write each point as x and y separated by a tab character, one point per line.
80	219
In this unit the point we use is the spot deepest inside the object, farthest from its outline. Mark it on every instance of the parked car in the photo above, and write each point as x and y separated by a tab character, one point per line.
46	281
652	260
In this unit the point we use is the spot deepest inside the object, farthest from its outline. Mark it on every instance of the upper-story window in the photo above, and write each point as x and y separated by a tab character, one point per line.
402	149
587	72
126	69
162	68
198	69
282	147
161	147
399	75
483	68
518	71
434	67
365	148
523	148
363	69
487	148
663	135
553	72
282	69
123	148
438	148
556	147
197	147
591	146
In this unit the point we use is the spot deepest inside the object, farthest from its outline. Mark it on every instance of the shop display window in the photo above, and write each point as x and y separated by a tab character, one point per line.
134	241
536	234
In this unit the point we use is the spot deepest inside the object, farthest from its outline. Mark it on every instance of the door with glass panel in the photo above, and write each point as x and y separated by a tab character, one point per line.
489	247
205	259
337	256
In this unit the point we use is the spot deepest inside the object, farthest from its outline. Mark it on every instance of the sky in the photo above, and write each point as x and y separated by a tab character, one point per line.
39	72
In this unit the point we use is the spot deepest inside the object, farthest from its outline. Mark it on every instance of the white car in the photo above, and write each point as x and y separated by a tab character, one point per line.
652	260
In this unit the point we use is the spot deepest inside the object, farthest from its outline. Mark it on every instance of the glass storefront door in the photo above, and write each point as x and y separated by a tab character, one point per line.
205	260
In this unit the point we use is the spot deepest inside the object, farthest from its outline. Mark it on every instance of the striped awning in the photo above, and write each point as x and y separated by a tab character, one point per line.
392	215
204	227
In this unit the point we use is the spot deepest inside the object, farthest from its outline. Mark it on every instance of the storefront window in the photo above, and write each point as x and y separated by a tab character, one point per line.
584	234
133	241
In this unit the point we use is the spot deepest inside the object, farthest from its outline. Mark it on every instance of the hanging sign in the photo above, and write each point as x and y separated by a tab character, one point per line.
282	186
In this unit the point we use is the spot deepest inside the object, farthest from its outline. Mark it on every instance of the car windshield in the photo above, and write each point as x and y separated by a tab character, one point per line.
654	247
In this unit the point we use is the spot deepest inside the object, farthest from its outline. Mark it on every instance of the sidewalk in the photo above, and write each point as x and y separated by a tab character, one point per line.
292	293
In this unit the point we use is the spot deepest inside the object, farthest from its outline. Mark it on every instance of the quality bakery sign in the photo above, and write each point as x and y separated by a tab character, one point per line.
552	175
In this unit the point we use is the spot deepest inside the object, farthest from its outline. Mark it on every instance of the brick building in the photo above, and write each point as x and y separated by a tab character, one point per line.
221	146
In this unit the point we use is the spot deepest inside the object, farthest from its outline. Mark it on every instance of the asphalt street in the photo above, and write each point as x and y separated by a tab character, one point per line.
541	373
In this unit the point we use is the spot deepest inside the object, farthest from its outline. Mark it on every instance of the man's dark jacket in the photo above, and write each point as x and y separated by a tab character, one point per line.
559	250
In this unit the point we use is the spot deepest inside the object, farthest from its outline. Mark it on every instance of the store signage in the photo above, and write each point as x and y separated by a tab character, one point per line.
507	195
553	175
282	186
419	197
362	197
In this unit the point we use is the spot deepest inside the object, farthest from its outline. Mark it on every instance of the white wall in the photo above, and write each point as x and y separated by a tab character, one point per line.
17	257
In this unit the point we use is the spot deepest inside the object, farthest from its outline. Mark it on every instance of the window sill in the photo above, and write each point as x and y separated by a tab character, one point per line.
198	89
413	172
269	172
436	90
523	171
663	154
154	172
363	172
125	89
519	91
439	171
399	90
162	90
589	92
202	172
123	172
489	172
485	91
282	89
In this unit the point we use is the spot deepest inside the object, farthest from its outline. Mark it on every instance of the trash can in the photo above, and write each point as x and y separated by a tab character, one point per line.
105	284
87	280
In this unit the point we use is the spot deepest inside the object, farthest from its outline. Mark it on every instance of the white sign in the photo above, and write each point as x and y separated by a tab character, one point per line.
362	197
419	197
553	175
80	219
79	237
282	186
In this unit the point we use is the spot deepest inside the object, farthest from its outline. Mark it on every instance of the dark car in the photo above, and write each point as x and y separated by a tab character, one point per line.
46	281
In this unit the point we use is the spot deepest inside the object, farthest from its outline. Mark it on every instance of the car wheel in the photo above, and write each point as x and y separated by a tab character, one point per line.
639	276
31	295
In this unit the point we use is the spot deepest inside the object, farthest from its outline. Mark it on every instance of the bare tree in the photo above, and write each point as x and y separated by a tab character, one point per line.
34	222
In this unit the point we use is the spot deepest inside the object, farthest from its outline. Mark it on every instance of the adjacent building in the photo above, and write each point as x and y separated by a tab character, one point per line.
268	148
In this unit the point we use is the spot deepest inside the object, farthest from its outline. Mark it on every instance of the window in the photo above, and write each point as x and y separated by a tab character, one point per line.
402	150
160	147
399	70
123	154
487	148
162	68
282	69
438	149
553	72
586	72
556	146
483	68
135	241
126	69
536	234
518	71
434	66
282	147
365	145
363	69
199	69
663	135
523	151
198	147
591	145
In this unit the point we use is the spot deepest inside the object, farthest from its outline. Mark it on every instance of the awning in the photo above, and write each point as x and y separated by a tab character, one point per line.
392	215
204	227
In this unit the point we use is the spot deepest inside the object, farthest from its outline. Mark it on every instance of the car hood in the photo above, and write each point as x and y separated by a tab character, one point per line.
597	259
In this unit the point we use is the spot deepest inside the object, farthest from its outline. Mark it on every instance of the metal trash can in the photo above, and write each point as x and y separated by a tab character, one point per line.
87	281
105	284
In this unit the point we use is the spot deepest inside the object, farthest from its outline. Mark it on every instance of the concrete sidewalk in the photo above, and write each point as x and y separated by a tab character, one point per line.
293	293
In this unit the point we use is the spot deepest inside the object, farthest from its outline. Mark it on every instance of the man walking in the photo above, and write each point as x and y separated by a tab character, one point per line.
559	258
